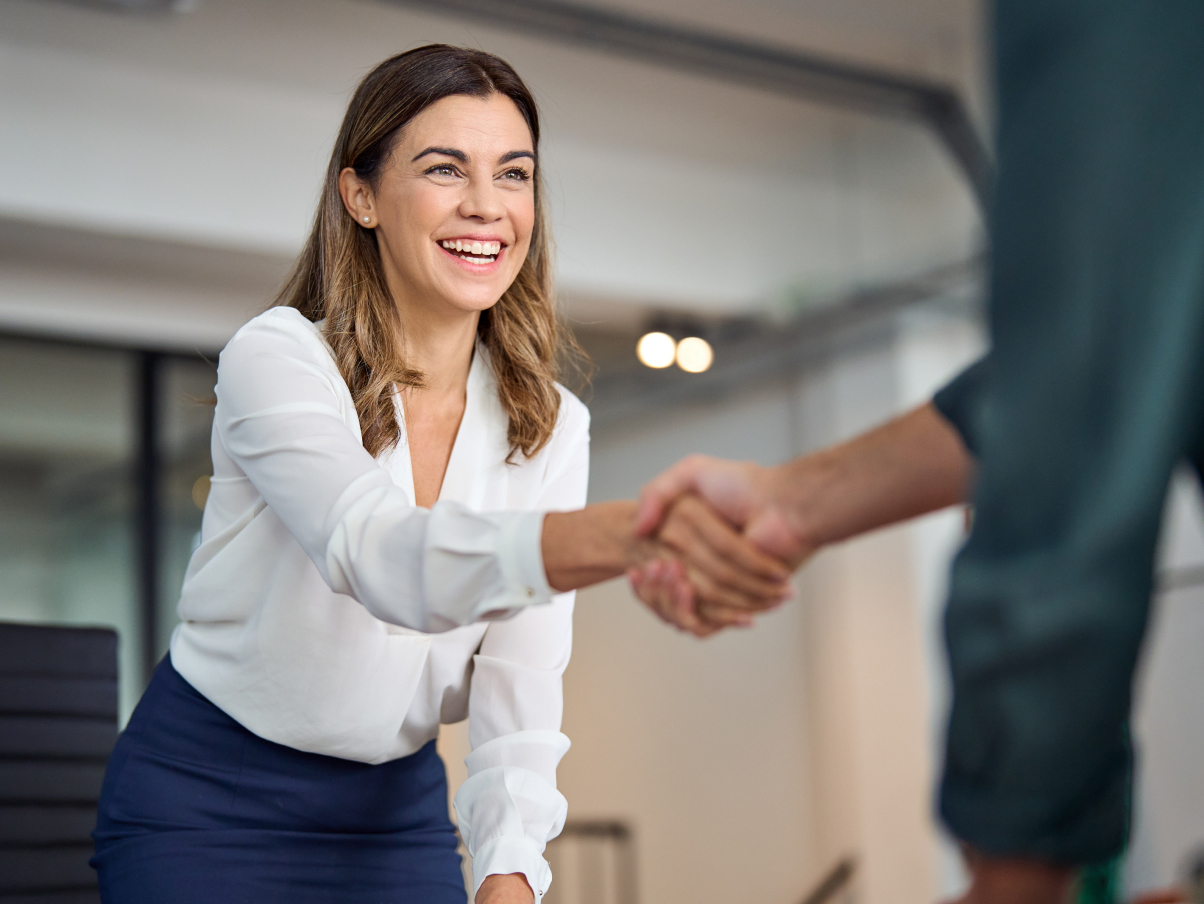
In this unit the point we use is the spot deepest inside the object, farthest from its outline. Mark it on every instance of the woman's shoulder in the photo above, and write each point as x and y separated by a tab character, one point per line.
572	423
574	415
281	330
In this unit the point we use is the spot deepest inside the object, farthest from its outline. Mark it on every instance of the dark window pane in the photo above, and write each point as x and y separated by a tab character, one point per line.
66	493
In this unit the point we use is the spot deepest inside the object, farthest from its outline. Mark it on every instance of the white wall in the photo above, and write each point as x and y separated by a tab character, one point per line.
704	747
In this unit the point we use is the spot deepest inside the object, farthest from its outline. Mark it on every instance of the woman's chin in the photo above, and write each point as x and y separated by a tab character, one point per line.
471	302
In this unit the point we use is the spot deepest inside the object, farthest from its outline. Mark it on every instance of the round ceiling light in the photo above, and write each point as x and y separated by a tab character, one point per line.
694	355
656	349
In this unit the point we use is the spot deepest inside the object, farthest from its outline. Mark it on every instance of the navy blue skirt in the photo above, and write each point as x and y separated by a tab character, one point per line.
197	810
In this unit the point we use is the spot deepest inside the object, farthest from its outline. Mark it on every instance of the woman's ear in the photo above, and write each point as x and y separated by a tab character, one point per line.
357	198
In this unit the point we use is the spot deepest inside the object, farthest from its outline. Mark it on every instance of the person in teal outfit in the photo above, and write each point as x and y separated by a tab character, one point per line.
1093	392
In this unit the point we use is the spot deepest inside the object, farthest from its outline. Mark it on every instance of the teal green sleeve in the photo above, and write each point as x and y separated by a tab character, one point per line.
957	400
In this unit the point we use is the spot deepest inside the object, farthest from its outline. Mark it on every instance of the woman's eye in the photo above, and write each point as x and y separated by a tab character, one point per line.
517	174
442	169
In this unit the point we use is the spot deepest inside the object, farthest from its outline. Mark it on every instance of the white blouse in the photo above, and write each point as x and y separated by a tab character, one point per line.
324	610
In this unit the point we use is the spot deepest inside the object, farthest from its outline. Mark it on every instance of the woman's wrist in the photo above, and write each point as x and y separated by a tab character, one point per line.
511	888
591	545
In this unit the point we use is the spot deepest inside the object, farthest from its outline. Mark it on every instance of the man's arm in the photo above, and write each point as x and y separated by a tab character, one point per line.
914	464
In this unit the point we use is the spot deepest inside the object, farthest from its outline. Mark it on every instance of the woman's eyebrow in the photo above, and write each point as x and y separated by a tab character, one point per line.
446	152
515	155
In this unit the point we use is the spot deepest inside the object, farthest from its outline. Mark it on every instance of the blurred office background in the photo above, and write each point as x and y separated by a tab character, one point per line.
795	181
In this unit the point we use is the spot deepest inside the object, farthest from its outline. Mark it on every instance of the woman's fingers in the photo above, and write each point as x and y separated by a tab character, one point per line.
663	585
684	598
691	600
711	592
719	617
660	584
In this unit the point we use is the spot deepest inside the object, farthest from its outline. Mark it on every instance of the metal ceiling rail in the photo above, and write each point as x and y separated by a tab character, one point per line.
777	69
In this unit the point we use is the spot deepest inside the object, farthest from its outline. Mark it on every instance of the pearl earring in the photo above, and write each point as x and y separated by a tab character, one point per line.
367	219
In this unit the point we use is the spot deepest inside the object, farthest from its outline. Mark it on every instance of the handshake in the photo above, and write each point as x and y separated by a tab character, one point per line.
709	545
714	545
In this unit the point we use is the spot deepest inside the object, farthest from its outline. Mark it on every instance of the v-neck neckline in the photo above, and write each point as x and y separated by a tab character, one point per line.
467	447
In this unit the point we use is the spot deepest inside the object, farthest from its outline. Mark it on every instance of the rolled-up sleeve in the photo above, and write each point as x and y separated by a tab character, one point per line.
958	401
287	421
509	807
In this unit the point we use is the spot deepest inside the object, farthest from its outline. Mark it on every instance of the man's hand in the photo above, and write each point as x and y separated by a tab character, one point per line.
744	494
701	575
508	889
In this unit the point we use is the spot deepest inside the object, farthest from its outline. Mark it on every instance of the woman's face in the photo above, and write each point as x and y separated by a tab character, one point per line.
455	204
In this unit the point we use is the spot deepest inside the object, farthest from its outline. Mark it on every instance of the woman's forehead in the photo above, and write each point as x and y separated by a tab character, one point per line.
473	125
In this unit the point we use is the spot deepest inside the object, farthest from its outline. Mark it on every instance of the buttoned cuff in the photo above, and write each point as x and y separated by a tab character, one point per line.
509	854
520	555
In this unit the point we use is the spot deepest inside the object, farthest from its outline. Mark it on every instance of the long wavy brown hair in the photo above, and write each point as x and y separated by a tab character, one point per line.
339	277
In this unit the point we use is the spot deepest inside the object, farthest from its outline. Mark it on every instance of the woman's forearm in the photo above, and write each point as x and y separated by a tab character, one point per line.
907	467
590	545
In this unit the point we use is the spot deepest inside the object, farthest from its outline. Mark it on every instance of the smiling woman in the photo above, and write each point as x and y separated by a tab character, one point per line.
392	533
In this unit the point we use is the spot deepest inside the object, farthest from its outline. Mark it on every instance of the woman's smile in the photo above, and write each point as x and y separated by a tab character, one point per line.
477	254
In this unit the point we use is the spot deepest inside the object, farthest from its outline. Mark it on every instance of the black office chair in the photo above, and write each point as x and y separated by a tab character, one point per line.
58	724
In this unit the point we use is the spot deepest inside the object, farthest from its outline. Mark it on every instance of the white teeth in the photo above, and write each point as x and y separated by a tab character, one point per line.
474	248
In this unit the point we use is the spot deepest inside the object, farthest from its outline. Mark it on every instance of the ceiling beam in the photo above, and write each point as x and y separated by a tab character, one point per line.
776	69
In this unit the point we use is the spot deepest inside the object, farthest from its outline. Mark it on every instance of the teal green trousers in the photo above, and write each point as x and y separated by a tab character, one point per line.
1093	392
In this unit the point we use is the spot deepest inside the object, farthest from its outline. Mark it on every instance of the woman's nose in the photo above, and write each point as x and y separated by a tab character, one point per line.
482	202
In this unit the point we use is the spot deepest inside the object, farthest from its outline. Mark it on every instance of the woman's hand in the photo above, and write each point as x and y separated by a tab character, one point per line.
508	889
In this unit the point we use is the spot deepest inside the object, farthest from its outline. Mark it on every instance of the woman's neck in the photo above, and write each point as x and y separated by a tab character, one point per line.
439	347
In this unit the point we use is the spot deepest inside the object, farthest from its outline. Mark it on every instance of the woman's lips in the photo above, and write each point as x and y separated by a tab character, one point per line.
473	255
